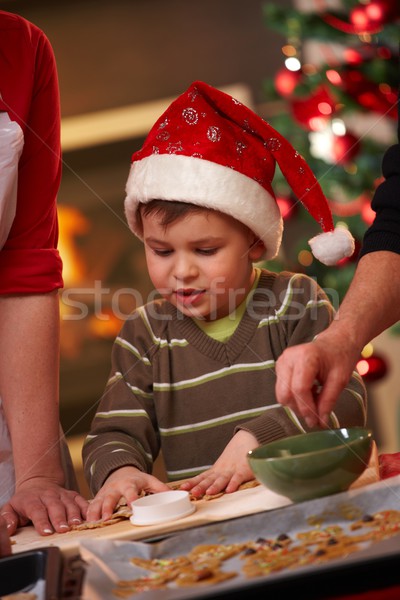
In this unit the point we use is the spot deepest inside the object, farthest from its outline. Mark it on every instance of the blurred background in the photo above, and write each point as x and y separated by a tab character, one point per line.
323	72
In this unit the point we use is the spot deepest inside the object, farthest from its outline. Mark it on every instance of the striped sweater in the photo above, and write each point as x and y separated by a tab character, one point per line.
174	388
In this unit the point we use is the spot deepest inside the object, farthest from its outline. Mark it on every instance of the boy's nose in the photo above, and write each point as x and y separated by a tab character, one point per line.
185	268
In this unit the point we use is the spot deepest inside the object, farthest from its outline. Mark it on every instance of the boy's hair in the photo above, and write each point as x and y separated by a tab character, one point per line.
169	210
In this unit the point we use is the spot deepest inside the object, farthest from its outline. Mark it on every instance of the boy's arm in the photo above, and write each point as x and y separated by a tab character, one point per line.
123	440
123	431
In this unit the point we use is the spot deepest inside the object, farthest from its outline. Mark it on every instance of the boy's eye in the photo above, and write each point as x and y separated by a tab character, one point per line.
162	252
207	251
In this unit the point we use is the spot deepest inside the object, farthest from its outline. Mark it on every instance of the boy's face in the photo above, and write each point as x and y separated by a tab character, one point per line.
202	263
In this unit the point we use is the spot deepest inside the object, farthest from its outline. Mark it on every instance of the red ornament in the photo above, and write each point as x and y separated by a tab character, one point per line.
353	56
372	368
345	148
369	94
287	206
368	18
343	262
367	214
286	81
362	22
365	52
337	23
347	209
314	111
382	11
375	12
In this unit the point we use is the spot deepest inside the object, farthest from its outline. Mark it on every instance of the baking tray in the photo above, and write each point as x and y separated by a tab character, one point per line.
373	567
35	571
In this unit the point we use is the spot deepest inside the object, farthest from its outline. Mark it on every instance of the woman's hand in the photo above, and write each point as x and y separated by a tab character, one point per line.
49	507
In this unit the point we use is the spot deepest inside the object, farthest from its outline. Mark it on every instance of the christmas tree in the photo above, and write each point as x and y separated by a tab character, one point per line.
337	98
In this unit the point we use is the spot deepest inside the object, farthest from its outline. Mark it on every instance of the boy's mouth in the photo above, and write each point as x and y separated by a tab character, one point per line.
189	296
187	293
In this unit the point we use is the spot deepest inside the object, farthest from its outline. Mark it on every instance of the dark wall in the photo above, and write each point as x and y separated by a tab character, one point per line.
128	51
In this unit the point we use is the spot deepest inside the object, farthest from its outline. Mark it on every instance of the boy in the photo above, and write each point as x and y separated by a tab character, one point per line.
193	373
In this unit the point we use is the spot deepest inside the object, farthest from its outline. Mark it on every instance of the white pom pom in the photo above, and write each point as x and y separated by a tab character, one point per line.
332	246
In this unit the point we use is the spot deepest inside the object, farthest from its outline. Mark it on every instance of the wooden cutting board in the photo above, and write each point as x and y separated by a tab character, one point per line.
244	502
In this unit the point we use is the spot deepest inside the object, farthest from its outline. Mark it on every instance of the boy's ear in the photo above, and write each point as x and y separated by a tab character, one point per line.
257	250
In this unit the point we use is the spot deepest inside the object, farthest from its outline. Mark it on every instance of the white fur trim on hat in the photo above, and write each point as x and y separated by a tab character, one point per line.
204	183
332	246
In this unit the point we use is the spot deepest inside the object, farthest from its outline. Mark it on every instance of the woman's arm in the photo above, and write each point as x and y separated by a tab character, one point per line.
29	373
29	350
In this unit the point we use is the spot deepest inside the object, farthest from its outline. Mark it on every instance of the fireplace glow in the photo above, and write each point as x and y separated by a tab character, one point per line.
72	224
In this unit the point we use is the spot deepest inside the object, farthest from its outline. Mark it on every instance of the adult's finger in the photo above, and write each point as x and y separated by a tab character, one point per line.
295	385
65	510
37	512
57	515
283	385
10	517
328	395
5	543
305	398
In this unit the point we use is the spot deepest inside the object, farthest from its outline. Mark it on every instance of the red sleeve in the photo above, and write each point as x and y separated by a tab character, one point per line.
29	260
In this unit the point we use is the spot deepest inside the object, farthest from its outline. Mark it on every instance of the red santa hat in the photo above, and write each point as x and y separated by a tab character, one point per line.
210	150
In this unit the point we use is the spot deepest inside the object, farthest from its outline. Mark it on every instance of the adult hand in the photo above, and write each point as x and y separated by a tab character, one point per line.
229	471
128	483
49	507
5	544
311	376
332	356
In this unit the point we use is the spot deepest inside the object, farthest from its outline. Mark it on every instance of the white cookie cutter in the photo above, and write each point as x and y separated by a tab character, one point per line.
161	507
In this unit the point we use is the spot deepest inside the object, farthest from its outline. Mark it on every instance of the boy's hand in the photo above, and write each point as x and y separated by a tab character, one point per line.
229	471
126	482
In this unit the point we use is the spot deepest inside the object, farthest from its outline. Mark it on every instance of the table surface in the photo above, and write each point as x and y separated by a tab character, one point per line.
244	502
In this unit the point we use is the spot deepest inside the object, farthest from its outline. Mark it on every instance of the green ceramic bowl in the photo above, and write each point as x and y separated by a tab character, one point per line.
312	465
